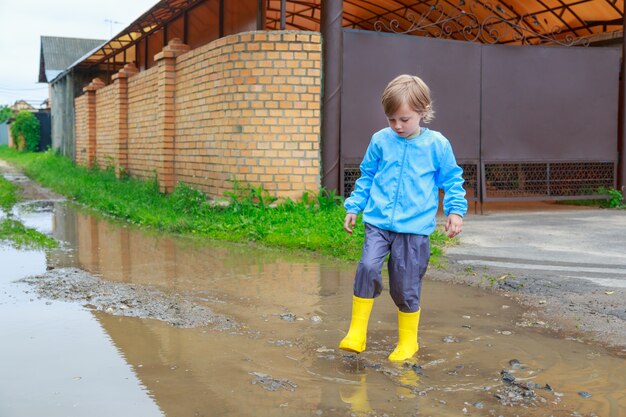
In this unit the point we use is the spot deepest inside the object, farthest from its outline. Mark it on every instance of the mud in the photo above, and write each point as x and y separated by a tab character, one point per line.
590	312
569	263
29	189
132	300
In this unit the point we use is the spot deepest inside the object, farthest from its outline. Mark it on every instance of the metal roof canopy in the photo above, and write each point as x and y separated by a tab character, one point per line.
148	23
508	21
511	21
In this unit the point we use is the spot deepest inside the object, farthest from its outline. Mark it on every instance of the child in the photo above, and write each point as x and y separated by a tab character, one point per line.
398	192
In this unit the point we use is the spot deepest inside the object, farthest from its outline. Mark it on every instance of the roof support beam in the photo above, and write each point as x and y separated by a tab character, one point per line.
331	20
221	19
621	141
260	15
283	14
186	27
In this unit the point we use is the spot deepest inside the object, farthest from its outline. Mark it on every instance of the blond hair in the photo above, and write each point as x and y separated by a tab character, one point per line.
411	90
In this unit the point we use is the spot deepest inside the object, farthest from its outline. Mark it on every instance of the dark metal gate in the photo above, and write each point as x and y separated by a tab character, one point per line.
525	122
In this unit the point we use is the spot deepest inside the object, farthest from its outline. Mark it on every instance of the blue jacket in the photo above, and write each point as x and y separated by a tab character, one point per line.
400	179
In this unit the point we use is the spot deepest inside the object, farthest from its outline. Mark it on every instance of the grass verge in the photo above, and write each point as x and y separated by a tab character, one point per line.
8	195
21	237
314	223
614	200
12	231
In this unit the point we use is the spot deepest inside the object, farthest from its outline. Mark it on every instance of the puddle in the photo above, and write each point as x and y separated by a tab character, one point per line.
57	359
281	359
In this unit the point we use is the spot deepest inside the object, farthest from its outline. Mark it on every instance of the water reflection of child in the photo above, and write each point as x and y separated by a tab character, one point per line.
402	171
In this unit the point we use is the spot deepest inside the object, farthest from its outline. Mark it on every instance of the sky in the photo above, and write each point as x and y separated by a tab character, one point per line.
23	22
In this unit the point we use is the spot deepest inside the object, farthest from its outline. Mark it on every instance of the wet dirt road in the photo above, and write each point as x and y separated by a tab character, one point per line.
278	356
572	260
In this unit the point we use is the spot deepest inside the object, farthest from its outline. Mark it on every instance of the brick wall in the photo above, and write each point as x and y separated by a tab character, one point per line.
246	107
81	133
142	124
107	125
257	117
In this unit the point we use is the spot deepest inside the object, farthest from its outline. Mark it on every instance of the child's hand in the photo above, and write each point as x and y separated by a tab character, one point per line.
349	222
454	225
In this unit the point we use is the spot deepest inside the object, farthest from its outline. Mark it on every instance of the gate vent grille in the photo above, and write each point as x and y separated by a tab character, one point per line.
470	175
351	173
547	180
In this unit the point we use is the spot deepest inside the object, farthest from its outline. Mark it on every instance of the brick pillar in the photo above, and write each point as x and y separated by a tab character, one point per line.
121	81
166	64
90	92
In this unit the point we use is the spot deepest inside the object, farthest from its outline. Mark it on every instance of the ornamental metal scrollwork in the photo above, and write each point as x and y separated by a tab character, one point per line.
494	28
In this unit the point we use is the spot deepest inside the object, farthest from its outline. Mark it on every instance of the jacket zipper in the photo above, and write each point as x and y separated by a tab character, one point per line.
395	200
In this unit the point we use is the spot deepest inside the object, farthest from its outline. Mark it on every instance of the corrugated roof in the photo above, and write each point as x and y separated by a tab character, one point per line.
58	54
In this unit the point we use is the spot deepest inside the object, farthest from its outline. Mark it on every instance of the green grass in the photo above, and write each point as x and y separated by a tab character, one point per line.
314	223
8	195
614	200
21	237
12	231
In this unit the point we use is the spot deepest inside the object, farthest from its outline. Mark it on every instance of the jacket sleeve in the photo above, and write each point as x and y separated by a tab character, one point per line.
361	193
450	180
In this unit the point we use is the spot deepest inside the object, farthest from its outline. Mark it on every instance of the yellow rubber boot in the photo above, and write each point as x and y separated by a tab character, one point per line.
407	336
357	334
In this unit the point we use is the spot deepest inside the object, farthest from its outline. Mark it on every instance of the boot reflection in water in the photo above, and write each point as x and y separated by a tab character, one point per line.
408	381
357	397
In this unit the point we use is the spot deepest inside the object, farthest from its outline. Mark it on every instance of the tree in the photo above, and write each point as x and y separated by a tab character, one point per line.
25	131
5	113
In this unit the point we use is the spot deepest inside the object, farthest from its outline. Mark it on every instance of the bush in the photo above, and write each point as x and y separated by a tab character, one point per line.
615	197
5	113
25	131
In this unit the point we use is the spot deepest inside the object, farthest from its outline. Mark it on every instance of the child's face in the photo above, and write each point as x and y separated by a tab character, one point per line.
405	121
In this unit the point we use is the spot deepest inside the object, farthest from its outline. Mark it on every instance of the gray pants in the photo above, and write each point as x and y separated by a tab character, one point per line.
408	260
